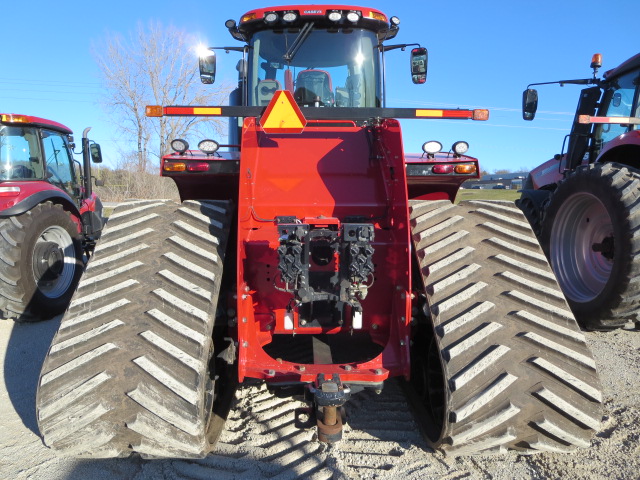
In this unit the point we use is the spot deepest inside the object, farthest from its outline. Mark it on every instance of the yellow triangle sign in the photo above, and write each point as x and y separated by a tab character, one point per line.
283	115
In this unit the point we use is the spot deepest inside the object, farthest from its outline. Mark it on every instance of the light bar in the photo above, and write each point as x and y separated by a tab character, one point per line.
10	118
616	120
313	113
471	114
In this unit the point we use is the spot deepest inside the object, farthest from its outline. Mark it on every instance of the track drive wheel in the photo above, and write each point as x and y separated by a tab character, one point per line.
591	235
132	367
501	362
40	262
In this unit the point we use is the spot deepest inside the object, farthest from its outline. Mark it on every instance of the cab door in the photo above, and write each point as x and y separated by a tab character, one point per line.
619	100
60	167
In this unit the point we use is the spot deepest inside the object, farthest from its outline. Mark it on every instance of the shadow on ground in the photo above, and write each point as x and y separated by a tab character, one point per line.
26	349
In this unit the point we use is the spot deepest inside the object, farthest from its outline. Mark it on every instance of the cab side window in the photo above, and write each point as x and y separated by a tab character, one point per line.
59	163
620	98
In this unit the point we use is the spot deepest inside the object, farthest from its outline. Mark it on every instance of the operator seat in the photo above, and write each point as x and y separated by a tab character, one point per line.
314	86
265	91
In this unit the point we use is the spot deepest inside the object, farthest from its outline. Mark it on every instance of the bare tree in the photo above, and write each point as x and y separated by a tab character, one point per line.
155	65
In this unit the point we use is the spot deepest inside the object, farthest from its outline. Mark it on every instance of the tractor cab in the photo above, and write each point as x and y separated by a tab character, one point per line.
324	57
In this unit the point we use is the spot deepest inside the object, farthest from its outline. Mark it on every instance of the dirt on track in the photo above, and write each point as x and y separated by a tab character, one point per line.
381	439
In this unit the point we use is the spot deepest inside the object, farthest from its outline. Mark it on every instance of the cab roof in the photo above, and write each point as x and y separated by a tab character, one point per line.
19	119
626	66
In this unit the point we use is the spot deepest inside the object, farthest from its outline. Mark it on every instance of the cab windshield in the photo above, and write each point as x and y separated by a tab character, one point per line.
20	154
330	69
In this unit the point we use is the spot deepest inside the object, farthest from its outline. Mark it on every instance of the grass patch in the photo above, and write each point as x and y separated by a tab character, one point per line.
468	194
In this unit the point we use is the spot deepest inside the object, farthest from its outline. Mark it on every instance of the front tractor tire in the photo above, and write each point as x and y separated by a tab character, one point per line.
591	235
40	262
132	367
498	360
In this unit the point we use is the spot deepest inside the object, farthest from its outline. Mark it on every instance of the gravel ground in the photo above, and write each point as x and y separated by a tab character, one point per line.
260	440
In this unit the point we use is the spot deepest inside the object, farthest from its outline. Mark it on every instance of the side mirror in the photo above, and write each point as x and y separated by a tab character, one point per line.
98	182
207	64
96	153
419	60
529	104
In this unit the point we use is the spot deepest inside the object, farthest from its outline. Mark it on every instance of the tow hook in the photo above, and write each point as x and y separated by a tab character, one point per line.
329	396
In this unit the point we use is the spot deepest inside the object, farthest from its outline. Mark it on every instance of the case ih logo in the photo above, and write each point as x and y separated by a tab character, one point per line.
311	12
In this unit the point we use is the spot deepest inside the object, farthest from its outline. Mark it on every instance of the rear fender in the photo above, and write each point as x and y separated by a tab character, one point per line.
624	149
547	174
34	193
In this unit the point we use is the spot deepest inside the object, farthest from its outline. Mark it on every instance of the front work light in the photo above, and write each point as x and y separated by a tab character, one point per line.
353	17
179	145
270	18
290	17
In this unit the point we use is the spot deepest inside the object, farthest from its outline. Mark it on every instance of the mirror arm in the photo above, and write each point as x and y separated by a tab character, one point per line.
581	81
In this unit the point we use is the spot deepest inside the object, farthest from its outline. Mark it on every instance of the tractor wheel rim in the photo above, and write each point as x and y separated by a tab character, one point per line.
54	262
582	223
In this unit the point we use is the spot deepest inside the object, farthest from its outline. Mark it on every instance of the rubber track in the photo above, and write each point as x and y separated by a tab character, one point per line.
517	370
127	370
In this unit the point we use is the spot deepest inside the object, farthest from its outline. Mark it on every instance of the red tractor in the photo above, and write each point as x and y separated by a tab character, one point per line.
317	257
583	202
49	216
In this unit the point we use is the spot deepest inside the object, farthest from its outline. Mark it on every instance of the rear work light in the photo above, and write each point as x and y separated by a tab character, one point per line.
447	168
9	191
179	145
466	168
208	146
175	167
460	148
431	147
198	166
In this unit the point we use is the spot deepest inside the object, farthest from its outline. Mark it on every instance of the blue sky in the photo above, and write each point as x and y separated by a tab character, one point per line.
481	55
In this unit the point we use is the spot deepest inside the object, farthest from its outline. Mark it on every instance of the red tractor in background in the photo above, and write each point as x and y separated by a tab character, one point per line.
317	257
583	203
49	216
